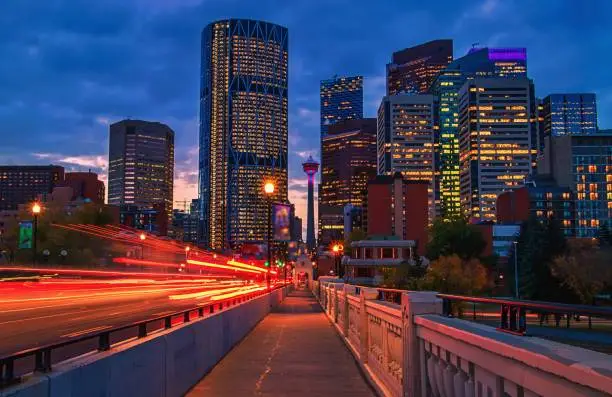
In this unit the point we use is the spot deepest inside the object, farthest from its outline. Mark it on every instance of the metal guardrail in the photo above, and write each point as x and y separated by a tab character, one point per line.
513	313
42	354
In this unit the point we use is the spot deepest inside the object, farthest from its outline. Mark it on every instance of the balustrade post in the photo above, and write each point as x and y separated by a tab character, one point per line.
345	310
415	303
365	294
336	303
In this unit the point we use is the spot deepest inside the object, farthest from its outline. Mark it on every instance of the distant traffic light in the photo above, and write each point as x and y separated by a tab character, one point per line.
267	264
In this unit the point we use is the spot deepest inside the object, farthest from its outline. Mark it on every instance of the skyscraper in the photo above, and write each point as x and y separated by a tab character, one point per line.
495	141
21	184
569	114
478	62
413	69
348	154
584	164
341	99
243	128
310	168
406	140
141	164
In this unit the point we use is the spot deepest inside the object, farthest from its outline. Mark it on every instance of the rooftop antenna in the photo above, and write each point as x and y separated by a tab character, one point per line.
474	45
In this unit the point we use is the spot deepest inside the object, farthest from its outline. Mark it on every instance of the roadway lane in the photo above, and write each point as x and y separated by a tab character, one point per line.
38	313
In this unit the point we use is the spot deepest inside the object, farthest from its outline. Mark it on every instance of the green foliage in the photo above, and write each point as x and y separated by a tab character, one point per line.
538	244
355	235
585	270
82	249
408	275
452	274
454	237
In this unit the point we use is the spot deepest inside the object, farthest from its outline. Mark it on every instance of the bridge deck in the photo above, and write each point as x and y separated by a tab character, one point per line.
294	351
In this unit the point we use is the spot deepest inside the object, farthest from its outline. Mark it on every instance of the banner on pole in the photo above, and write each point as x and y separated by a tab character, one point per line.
25	234
281	222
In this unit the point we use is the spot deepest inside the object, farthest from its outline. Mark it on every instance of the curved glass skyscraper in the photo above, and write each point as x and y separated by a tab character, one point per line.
243	129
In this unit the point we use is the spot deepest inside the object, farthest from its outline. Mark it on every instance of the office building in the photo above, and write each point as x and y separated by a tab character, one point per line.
542	198
413	69
341	99
152	219
348	160
478	62
406	140
399	207
21	184
85	185
495	141
296	229
141	165
353	220
243	129
584	164
569	114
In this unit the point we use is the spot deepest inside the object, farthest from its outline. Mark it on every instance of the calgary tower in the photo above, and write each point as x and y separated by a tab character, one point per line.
311	167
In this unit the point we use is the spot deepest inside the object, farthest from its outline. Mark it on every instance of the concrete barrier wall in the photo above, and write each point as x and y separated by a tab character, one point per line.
412	350
165	364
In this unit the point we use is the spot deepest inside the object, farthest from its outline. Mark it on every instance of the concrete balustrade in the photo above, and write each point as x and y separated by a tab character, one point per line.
165	363
412	350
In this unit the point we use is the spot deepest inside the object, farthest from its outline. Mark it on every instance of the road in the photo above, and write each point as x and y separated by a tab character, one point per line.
36	313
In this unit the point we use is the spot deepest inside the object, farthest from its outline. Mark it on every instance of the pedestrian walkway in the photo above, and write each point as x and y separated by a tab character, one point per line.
294	351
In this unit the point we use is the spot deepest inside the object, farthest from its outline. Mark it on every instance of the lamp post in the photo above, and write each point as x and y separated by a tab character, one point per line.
142	237
269	190
337	249
516	281
35	211
187	249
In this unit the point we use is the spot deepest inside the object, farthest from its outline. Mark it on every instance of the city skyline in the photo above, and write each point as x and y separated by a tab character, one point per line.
68	117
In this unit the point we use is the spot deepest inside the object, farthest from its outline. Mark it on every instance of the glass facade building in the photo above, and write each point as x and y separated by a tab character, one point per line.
243	129
141	165
569	114
479	62
406	141
584	164
341	99
496	153
349	161
413	69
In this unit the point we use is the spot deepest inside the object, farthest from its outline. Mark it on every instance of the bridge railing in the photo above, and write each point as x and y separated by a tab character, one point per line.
416	349
41	357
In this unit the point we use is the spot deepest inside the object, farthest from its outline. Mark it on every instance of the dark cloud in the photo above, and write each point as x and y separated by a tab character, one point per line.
71	66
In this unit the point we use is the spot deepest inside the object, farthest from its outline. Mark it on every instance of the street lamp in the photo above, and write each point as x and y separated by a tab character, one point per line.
35	211
516	282
269	190
142	237
337	249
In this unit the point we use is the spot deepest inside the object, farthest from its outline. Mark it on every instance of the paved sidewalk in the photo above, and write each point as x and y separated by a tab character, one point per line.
294	351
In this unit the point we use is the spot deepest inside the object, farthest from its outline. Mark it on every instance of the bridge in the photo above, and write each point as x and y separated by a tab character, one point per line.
335	339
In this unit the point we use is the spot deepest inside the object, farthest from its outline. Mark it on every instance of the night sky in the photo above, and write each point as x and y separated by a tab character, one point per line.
69	68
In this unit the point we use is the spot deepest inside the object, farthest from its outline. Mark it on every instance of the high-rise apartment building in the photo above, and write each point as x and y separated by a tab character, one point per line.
243	128
584	164
406	140
413	69
495	141
569	114
341	99
348	160
478	62
21	184
141	165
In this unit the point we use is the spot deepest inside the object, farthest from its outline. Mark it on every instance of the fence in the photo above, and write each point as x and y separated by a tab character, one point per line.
412	349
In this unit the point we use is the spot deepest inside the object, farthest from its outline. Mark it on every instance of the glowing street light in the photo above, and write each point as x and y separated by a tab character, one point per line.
143	236
36	208
269	190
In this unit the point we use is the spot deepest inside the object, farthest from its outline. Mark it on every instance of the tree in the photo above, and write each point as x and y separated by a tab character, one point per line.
452	274
408	275
82	249
538	244
355	235
585	270
454	237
